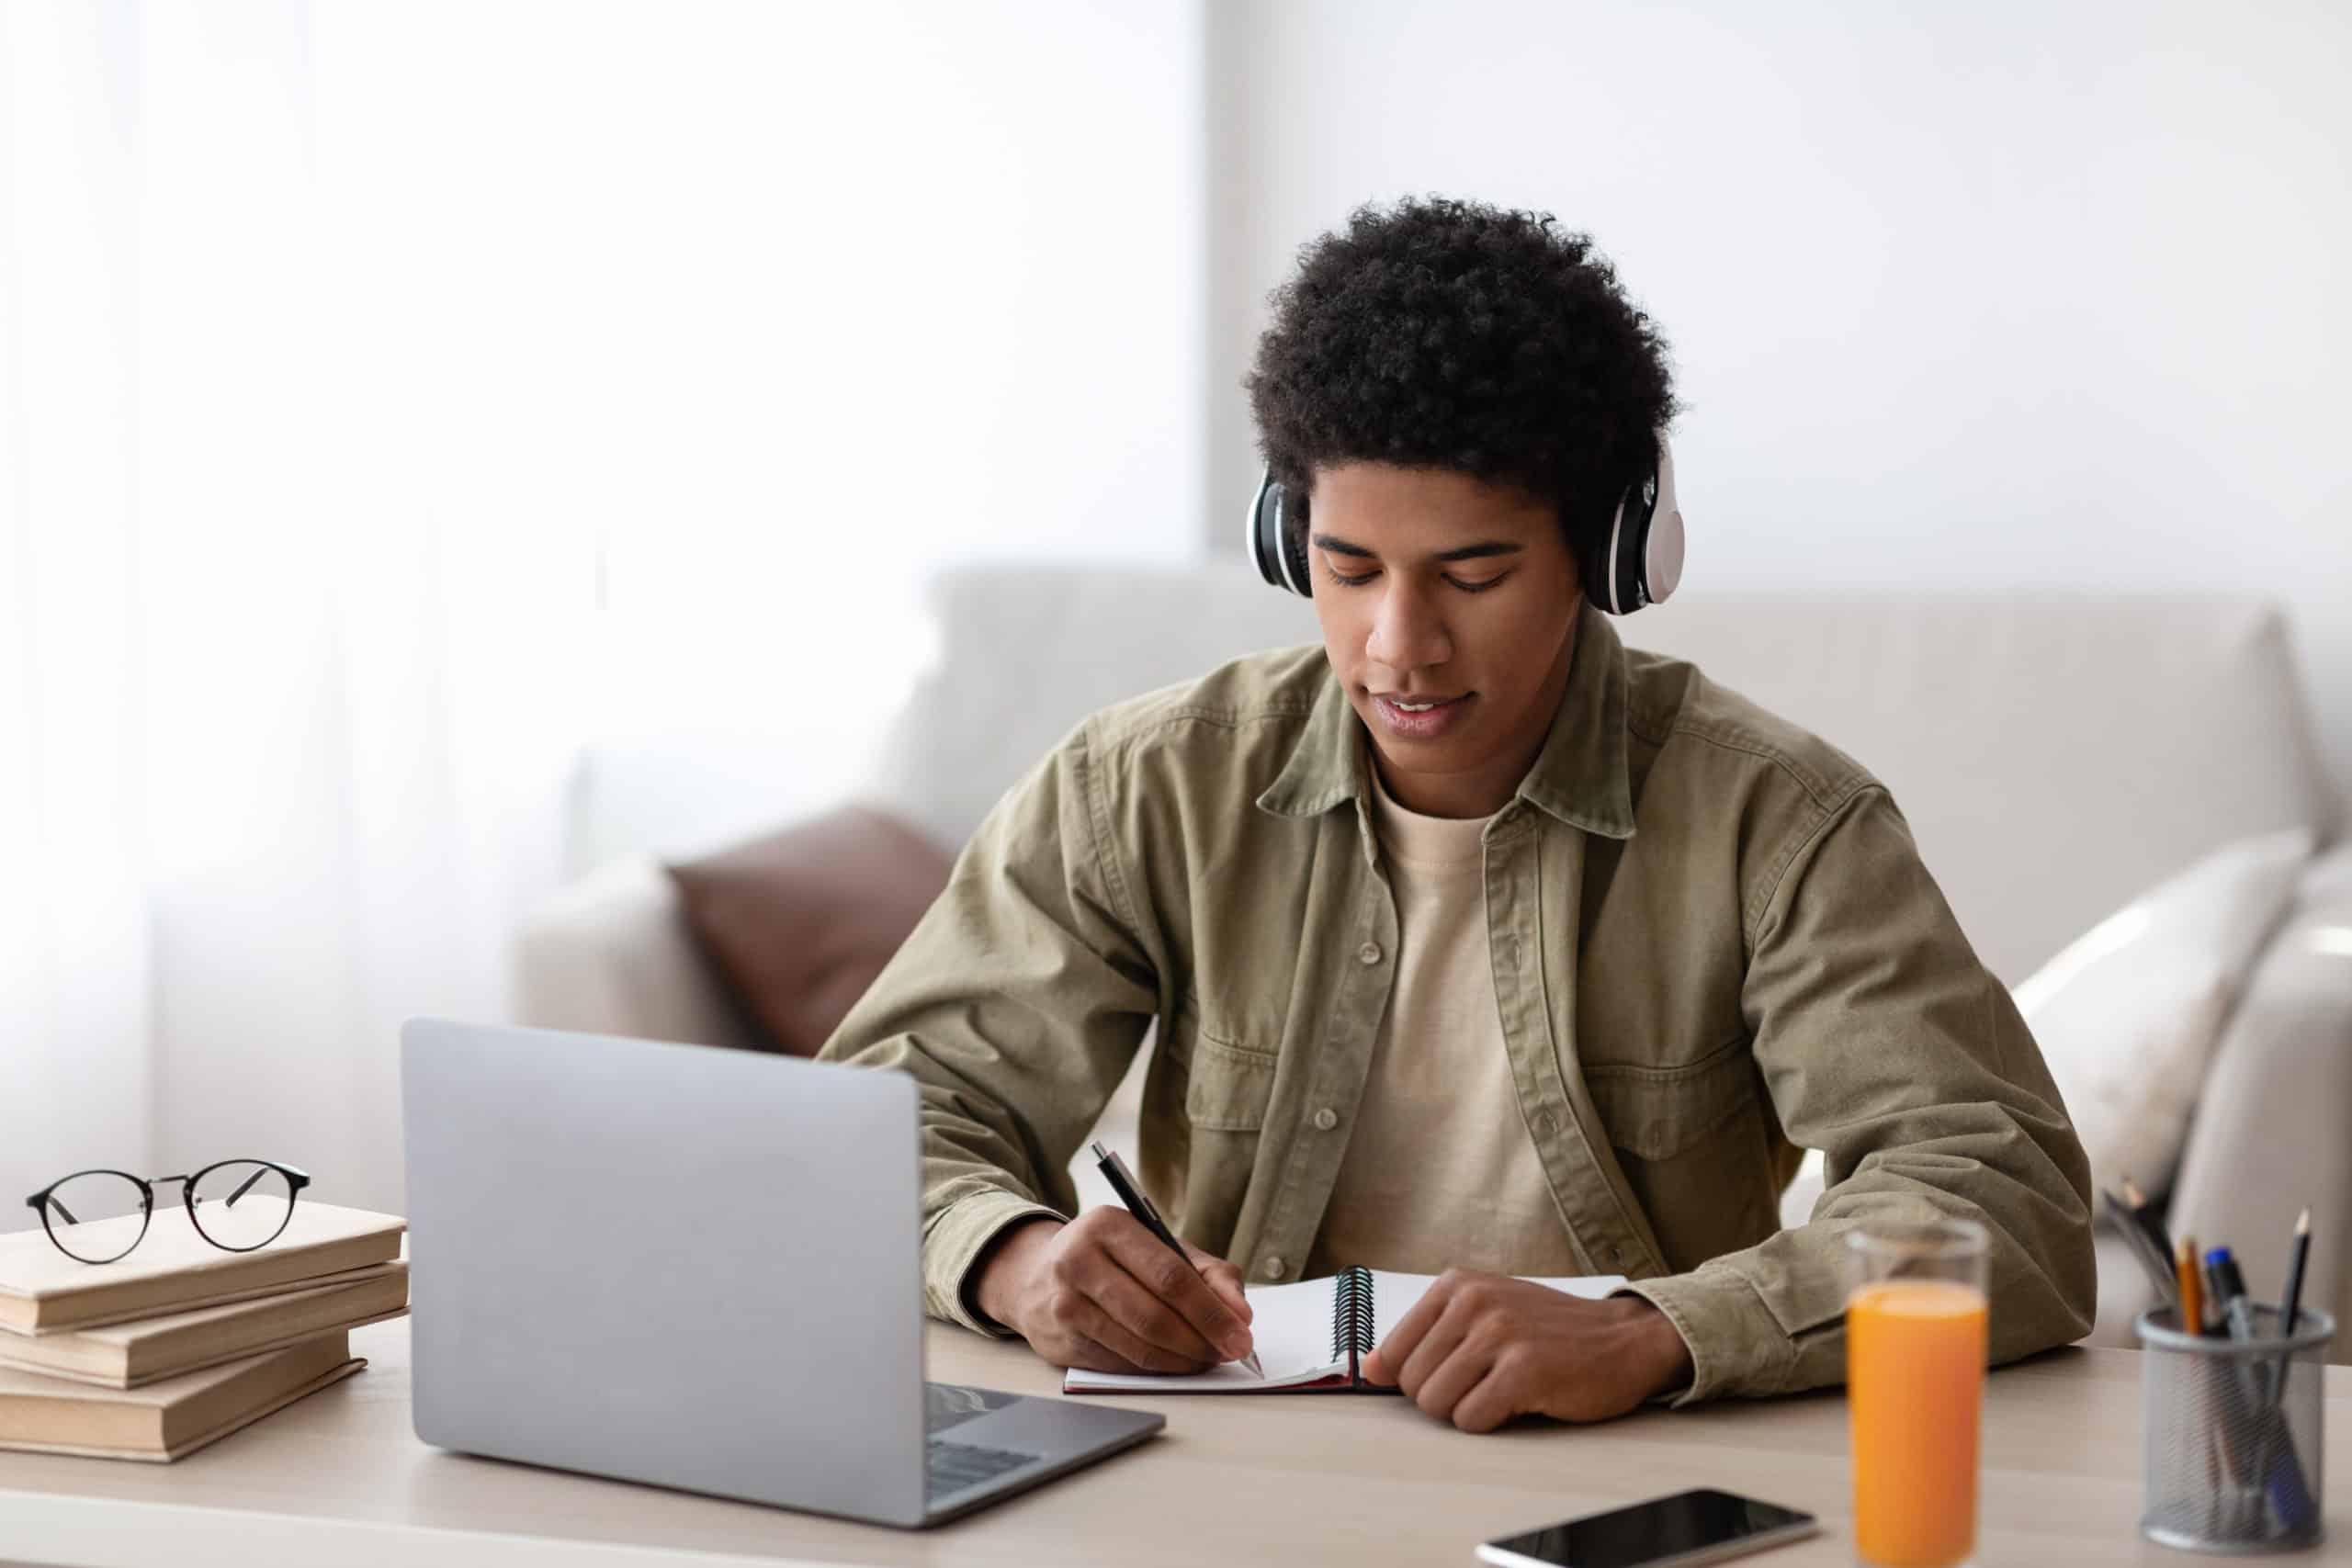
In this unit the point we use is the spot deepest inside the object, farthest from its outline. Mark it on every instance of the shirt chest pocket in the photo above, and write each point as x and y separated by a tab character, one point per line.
1660	1113
1228	1085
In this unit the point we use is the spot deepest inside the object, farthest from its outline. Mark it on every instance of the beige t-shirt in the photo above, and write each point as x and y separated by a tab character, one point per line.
1440	1171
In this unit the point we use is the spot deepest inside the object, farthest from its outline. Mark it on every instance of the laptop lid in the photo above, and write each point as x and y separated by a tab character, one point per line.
676	1264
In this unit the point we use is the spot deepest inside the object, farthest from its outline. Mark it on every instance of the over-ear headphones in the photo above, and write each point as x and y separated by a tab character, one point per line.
1637	561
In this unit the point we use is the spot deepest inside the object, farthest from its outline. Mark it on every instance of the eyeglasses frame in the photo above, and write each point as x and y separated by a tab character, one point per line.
295	1181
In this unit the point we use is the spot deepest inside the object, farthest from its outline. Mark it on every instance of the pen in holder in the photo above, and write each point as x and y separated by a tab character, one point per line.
2231	1433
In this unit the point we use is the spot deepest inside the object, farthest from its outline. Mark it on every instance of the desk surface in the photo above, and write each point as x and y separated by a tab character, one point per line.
341	1478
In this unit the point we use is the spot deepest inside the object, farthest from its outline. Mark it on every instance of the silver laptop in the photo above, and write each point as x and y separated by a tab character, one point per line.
696	1267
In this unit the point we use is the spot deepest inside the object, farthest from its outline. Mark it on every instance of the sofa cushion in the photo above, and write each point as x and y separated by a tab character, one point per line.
799	922
2268	1137
613	955
2127	1015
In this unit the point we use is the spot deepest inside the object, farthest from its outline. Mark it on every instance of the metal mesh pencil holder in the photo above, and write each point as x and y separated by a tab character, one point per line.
2231	1431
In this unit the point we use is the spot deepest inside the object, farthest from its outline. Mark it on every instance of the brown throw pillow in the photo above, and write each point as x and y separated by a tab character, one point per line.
800	922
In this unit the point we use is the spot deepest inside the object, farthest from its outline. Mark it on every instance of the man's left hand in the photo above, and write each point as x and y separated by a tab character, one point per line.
1480	1348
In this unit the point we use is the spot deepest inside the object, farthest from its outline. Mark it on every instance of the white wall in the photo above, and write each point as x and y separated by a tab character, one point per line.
779	308
2020	294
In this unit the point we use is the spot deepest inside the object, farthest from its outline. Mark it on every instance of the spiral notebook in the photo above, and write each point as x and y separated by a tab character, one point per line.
1312	1337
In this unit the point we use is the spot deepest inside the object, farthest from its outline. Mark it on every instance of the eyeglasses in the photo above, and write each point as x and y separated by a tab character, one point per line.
238	1205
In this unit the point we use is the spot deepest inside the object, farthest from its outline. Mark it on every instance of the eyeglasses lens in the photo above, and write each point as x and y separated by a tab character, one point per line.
96	1216
239	1205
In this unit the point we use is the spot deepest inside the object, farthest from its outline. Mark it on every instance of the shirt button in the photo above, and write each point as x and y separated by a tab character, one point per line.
1273	1267
1326	1119
1369	952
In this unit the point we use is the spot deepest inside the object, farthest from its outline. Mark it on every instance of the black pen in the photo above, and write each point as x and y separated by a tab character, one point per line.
2159	1268
2296	1258
2152	1224
1130	1191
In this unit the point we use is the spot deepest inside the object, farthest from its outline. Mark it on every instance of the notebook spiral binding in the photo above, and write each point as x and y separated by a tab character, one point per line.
1351	1312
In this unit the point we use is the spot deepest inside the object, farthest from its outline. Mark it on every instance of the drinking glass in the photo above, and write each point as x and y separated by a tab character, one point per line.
1916	1338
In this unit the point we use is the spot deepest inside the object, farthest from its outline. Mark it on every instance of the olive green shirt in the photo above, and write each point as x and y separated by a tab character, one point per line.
1714	946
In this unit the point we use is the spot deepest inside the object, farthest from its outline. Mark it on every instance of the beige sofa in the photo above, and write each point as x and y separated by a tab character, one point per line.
2055	756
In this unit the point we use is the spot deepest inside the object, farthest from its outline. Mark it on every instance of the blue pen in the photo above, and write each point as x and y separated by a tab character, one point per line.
2282	1479
2229	1292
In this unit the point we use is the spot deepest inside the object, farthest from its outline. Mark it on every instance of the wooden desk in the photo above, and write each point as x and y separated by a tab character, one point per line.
341	1479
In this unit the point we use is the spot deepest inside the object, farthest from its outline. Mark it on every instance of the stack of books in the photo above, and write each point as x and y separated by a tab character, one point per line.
179	1344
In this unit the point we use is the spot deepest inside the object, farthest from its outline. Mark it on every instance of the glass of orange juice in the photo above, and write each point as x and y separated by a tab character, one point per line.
1915	1316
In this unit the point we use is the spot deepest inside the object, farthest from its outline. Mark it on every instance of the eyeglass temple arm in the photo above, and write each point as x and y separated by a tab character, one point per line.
295	1180
50	1200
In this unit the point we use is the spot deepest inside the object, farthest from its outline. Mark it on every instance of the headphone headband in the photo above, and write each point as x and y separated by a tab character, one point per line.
1637	561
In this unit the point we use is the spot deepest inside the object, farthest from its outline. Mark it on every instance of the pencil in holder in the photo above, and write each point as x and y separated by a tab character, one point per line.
2231	1433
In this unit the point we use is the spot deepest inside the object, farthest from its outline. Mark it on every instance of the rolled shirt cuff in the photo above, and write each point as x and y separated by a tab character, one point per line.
956	1239
1736	1345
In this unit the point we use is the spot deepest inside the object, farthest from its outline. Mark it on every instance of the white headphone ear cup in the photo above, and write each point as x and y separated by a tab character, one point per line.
1662	551
1295	577
1662	564
1251	545
1278	550
1289	545
1639	560
1601	571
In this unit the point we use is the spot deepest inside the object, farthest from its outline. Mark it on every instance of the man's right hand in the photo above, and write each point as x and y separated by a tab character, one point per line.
1103	1292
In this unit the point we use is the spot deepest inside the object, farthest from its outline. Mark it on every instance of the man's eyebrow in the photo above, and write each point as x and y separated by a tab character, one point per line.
1468	552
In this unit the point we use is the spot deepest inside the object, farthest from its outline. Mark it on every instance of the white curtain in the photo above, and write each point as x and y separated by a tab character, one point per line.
74	952
284	722
445	445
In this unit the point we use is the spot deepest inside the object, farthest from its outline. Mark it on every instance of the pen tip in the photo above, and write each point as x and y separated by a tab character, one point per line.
2132	1193
2303	1223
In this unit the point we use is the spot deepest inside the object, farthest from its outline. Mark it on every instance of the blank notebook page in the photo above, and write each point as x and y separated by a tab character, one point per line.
1292	1332
1393	1295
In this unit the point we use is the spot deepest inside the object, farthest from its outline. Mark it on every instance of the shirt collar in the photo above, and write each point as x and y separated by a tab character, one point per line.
1580	776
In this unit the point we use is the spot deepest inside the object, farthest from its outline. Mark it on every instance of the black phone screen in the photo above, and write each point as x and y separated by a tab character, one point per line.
1662	1527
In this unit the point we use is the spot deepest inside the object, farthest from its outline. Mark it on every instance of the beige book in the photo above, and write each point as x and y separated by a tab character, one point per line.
127	1355
165	1420
173	1269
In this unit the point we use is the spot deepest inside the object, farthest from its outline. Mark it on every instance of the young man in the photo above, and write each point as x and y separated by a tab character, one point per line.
1478	944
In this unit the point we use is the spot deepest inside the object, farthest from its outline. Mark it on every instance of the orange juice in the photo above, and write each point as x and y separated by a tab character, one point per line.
1915	1381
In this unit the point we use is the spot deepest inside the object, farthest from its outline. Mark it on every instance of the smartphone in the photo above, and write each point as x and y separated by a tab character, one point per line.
1689	1527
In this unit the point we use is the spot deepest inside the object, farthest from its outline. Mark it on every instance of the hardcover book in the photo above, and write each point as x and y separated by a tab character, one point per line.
173	1269
128	1355
165	1420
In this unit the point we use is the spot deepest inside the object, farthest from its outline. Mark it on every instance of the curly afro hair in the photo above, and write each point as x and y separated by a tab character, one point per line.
1452	334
